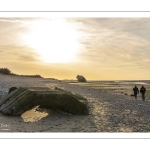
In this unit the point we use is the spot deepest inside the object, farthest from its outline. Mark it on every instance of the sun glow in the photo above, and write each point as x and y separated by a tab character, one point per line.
55	40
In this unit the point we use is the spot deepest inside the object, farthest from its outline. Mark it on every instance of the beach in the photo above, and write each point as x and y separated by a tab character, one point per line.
111	107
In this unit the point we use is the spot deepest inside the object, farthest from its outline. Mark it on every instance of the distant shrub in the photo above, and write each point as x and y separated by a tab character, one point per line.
5	71
34	76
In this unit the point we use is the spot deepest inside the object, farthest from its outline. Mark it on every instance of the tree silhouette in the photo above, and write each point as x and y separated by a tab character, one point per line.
5	71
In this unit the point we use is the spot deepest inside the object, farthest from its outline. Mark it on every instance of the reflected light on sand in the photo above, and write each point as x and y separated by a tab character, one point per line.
33	115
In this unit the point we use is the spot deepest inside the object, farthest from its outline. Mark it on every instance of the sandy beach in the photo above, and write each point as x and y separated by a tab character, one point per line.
111	108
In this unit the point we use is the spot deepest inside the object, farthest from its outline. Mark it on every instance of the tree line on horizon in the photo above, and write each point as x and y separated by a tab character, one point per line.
6	71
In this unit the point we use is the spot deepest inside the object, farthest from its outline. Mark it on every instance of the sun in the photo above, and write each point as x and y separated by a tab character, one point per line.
55	40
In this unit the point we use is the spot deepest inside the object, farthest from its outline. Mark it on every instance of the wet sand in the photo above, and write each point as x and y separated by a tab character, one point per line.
111	110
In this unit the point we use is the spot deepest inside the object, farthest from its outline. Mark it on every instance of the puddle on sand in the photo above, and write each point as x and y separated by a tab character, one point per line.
37	114
133	83
33	115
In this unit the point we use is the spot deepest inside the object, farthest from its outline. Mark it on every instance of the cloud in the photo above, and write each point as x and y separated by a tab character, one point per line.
119	42
26	21
107	44
17	53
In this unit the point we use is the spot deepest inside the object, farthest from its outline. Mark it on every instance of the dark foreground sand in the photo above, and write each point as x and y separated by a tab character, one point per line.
110	110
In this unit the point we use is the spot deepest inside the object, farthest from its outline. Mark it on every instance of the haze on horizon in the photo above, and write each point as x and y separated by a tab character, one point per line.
62	48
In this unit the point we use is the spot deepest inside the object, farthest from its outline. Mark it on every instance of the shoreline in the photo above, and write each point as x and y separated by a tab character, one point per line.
110	110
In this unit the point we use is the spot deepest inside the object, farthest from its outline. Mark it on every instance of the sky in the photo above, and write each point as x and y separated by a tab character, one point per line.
62	48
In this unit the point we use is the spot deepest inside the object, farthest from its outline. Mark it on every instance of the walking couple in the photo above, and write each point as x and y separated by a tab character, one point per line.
142	91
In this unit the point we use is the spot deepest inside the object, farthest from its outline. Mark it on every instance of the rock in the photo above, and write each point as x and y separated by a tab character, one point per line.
11	89
25	98
80	78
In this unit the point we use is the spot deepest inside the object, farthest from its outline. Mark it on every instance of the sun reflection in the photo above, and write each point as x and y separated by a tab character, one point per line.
55	40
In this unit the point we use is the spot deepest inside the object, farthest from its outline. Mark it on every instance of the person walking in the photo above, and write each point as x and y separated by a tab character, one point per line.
136	91
142	91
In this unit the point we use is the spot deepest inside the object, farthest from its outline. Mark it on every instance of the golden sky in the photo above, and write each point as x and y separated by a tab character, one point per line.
62	48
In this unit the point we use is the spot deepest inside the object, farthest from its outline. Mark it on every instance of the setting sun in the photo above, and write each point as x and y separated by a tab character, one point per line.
55	40
99	48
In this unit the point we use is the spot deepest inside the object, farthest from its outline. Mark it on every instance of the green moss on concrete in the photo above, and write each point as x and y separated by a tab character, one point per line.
28	97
